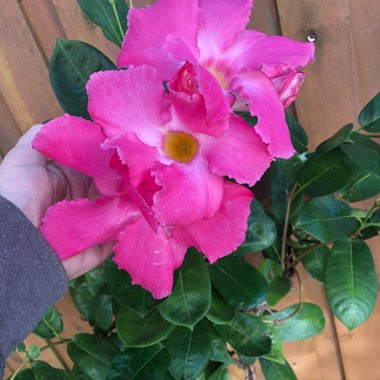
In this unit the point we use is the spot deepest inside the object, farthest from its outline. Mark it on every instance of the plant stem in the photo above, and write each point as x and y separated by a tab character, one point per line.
298	308
130	3
63	341
285	230
305	253
113	4
23	364
372	136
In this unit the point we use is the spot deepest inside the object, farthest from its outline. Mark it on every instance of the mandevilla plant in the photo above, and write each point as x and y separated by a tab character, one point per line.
181	66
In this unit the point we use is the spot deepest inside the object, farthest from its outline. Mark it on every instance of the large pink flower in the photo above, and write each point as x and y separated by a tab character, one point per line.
230	65
159	170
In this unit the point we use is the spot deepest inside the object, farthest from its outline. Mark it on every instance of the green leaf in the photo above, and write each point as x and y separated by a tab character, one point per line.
327	219
220	312
51	324
33	352
278	289
261	231
101	13
363	186
218	352
189	352
325	174
131	296
239	283
84	289
365	153
150	363
101	313
44	371
340	137
276	354
315	263
251	120
297	134
71	65
247	334
351	283
369	117
270	269
77	374
308	321
220	374
282	179
276	371
135	331
191	297
92	354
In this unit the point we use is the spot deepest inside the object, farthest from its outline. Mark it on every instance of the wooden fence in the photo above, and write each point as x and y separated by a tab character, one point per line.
345	76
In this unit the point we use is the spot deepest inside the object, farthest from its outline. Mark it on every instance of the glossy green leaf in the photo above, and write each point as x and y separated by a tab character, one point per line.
190	299
149	363
84	289
276	371
51	324
247	334
315	263
340	137
277	353
369	117
325	174
277	290
220	374
101	13
282	178
239	283
308	321
270	269
42	371
327	219
100	312
135	331
297	134
261	231
363	186
33	352
131	296
77	374
220	312
365	153
71	65
351	283
92	354
251	120
189	352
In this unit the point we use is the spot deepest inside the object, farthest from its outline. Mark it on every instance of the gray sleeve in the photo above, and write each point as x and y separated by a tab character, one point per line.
31	278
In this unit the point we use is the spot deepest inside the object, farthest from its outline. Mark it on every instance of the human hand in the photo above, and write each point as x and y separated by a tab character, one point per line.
33	183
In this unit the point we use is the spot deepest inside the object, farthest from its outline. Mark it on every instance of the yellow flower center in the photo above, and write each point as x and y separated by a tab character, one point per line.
219	76
180	146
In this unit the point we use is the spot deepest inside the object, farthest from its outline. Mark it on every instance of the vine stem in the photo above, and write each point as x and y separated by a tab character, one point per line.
305	253
63	341
285	230
113	4
372	136
298	308
23	364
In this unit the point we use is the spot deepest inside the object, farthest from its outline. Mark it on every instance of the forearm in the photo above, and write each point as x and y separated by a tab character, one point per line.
31	278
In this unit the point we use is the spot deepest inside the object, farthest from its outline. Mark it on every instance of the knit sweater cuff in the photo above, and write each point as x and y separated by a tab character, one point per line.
31	277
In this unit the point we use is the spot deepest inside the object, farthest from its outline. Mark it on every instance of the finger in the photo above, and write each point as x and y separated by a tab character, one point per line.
23	153
89	259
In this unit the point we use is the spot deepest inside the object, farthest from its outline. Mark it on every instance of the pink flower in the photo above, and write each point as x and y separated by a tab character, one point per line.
230	64
159	170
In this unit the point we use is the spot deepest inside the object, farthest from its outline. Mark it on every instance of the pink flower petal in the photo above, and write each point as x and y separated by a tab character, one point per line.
73	226
189	192
265	103
76	143
252	49
148	28
128	101
239	154
150	258
219	23
221	235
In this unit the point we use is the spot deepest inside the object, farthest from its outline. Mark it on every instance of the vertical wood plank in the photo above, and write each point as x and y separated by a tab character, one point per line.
23	75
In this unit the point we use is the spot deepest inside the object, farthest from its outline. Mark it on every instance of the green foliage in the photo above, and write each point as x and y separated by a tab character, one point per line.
297	134
276	371
351	282
315	263
51	324
71	65
240	284
191	296
369	118
102	13
42	371
220	312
